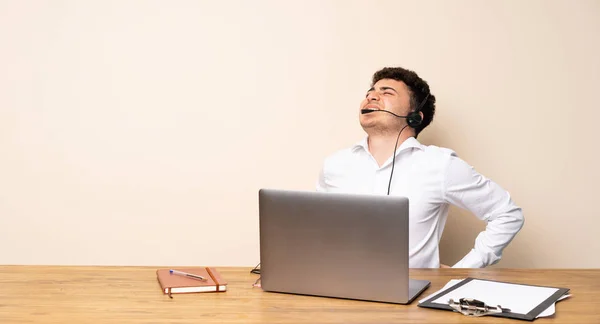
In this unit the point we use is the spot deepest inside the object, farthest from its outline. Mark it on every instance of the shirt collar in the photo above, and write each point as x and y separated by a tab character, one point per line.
408	143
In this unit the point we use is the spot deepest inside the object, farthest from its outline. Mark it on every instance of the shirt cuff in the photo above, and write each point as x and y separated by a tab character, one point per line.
471	260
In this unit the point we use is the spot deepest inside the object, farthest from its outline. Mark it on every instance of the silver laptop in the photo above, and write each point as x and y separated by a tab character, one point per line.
336	245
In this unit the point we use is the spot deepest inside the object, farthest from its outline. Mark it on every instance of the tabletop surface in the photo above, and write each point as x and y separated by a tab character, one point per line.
90	294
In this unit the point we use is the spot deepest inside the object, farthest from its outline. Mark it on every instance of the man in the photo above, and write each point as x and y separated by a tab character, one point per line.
431	177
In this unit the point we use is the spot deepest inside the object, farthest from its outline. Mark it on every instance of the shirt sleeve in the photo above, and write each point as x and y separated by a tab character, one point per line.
466	188
321	183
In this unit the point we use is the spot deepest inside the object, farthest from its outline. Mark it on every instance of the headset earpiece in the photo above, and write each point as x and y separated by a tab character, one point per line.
414	119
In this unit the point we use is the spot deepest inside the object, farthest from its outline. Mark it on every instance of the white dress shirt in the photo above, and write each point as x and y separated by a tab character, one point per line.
432	178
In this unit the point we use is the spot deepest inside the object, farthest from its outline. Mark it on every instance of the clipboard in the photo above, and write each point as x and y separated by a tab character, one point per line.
525	302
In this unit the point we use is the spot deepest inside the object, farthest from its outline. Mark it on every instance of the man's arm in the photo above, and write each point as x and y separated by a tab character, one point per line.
465	188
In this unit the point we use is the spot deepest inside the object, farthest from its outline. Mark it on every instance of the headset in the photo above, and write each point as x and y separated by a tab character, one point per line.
413	120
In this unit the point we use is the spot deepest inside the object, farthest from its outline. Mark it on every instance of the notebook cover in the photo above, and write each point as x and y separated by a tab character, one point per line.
181	284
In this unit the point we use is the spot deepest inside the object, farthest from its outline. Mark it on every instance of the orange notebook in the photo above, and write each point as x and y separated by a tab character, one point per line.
180	284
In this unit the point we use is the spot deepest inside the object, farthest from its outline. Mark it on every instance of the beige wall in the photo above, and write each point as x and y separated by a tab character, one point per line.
138	132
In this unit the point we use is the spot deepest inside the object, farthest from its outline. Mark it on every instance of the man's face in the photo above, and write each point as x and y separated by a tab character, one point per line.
390	95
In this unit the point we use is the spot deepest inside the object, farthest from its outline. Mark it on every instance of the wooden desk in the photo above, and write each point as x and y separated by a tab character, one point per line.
60	294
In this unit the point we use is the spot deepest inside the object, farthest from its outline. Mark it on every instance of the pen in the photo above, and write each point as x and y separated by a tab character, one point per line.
185	274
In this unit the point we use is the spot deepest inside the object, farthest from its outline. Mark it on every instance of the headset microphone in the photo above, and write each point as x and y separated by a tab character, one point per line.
368	111
413	119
